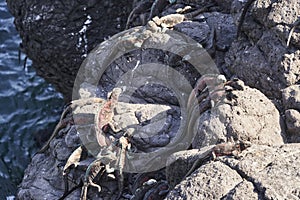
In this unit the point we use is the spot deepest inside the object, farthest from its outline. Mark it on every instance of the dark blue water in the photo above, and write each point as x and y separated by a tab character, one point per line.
28	106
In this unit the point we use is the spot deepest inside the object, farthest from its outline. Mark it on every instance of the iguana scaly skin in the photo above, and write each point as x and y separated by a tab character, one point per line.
223	149
64	120
92	171
105	117
171	20
158	5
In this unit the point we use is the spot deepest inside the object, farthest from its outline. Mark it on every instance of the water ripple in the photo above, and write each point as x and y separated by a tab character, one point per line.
28	106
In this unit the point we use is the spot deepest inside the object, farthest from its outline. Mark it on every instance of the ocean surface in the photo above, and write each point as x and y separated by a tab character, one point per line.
28	107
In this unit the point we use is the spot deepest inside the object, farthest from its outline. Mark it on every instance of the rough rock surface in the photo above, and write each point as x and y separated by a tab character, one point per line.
44	178
250	116
260	172
57	35
180	162
292	120
291	102
214	30
196	186
35	179
291	97
260	57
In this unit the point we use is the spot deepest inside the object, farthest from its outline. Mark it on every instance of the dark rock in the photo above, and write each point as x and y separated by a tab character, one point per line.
215	31
57	35
225	4
43	177
45	174
259	57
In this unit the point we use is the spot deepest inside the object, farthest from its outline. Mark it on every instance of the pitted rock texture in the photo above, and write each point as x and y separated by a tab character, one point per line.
208	182
291	103
57	35
44	176
292	120
291	97
250	116
179	163
260	57
214	30
260	172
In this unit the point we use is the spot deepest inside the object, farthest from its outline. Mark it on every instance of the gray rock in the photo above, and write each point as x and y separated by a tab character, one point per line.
243	190
273	171
179	163
260	172
292	120
44	176
42	179
251	116
259	57
280	17
262	59
211	181
291	104
291	97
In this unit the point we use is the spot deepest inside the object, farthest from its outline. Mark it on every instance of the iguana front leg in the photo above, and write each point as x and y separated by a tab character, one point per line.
92	171
105	118
121	163
223	149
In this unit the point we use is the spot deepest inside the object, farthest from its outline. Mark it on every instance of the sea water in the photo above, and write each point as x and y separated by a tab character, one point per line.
28	106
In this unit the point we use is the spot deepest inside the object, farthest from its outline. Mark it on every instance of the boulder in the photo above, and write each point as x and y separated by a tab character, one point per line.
250	116
268	70
260	57
259	172
58	35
